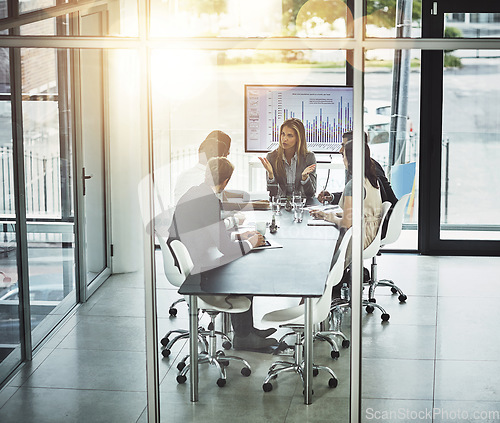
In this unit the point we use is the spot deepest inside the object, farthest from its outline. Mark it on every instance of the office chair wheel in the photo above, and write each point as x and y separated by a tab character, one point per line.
165	353
372	300
181	379
221	382
165	341
394	290
334	354
385	317
402	298
224	363
346	343
172	312
315	372
181	366
267	387
304	392
369	309
332	383
245	371
226	345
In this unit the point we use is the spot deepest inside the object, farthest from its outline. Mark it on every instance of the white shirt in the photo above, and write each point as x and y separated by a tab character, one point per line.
195	176
290	170
189	178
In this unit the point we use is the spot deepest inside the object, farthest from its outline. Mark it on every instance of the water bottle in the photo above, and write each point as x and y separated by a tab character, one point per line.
344	292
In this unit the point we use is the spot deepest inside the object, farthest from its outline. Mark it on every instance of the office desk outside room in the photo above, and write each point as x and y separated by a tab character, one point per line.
299	269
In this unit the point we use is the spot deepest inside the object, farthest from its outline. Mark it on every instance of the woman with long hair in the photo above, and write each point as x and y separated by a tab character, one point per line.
372	204
291	166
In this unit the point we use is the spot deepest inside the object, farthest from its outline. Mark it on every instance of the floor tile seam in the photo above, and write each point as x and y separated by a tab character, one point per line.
83	317
291	402
113	315
16	389
406	324
65	349
100	349
66	388
24	364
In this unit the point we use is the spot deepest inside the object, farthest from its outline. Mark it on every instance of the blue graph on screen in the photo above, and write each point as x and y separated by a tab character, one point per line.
326	112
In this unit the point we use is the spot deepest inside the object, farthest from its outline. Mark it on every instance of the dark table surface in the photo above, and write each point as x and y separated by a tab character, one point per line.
299	269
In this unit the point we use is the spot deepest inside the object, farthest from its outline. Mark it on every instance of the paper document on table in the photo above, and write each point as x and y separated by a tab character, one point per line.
329	207
319	222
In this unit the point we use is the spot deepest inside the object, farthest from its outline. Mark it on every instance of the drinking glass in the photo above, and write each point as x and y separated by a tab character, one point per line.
276	204
298	206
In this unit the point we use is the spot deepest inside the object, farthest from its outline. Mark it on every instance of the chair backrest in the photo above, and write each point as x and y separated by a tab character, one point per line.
395	221
322	307
176	274
374	246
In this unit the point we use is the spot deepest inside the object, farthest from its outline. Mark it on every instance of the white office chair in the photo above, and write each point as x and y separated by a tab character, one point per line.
212	305
394	228
368	253
293	318
176	277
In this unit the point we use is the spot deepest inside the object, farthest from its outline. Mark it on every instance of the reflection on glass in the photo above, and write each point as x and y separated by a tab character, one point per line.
3	9
195	92
30	5
472	25
213	82
48	185
44	27
260	18
380	80
470	148
9	300
381	19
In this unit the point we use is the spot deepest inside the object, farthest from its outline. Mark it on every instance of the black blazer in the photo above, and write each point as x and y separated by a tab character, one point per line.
309	188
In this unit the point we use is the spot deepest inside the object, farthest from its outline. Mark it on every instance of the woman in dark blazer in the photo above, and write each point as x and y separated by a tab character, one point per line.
291	166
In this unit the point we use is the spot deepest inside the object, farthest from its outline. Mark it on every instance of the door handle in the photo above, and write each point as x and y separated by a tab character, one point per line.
84	178
434	10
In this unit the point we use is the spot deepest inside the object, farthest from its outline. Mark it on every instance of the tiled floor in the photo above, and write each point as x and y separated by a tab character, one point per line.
436	360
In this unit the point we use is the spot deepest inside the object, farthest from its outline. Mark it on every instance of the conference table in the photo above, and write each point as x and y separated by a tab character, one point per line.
298	269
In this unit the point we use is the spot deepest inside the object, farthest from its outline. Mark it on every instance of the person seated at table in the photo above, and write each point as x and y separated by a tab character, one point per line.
216	144
198	224
385	186
291	166
372	204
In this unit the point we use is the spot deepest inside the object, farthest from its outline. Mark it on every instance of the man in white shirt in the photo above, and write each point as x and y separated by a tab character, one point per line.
216	144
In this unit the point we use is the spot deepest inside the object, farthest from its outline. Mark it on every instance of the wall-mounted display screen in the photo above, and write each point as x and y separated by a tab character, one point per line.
326	112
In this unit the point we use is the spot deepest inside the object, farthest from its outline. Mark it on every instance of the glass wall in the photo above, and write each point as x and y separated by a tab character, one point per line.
471	126
391	19
261	18
392	125
194	93
49	184
10	353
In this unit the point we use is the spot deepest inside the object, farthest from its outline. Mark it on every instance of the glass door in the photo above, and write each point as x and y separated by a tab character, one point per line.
93	144
460	132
